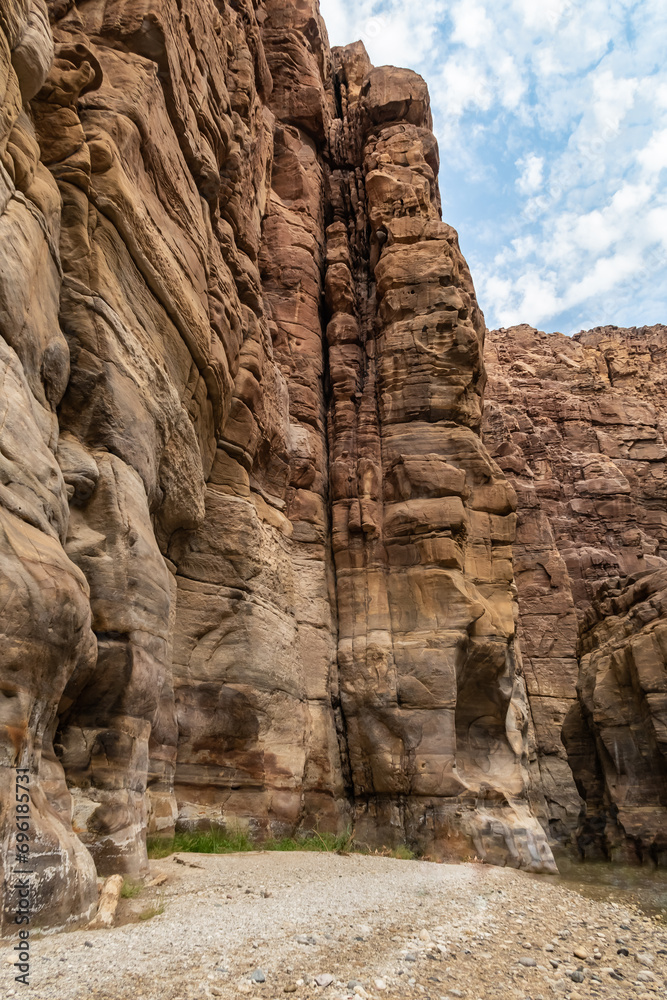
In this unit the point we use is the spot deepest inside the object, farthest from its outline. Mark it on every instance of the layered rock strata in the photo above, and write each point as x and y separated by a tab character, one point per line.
256	561
579	426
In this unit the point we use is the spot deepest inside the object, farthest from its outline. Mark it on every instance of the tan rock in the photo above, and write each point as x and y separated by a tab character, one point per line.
108	904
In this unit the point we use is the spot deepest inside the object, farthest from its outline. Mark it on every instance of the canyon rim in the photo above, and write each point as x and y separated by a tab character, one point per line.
279	548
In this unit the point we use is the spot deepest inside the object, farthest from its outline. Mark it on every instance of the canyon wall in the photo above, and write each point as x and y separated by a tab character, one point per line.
255	560
579	426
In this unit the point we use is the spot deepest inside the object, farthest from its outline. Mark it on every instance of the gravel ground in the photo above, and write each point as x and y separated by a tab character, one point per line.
364	926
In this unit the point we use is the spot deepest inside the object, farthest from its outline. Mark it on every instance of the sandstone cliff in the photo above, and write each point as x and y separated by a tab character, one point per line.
255	560
579	425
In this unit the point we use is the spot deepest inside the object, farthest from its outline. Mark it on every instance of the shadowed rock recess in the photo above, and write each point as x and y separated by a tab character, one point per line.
255	559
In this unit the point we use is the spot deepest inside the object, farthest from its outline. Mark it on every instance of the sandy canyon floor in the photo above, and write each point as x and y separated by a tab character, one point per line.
271	925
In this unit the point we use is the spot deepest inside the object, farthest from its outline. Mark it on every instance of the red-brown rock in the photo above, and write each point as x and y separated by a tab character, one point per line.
579	425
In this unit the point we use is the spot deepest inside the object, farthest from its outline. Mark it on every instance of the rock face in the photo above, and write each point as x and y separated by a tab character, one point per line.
258	566
579	425
255	560
422	519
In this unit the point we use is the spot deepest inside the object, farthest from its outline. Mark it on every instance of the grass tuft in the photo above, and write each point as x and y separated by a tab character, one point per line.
403	853
152	911
219	841
130	889
159	847
213	841
331	843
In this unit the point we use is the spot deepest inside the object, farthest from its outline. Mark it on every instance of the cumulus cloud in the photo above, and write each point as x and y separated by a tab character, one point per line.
531	178
552	121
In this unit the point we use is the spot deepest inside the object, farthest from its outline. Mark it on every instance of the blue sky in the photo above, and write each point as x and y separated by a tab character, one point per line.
551	116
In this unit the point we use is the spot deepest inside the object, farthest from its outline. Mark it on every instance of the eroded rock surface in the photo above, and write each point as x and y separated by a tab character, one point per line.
579	425
256	560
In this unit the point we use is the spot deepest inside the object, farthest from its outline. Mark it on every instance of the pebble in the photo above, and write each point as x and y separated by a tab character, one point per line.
380	984
360	991
325	979
549	947
410	957
576	977
258	976
424	935
645	958
290	989
529	963
580	953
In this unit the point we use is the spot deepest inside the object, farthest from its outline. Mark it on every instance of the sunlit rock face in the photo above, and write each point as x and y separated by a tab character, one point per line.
255	560
579	426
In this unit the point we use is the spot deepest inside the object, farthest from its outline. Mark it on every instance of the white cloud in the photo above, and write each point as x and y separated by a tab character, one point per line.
552	121
653	157
472	27
512	82
607	274
464	86
531	177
